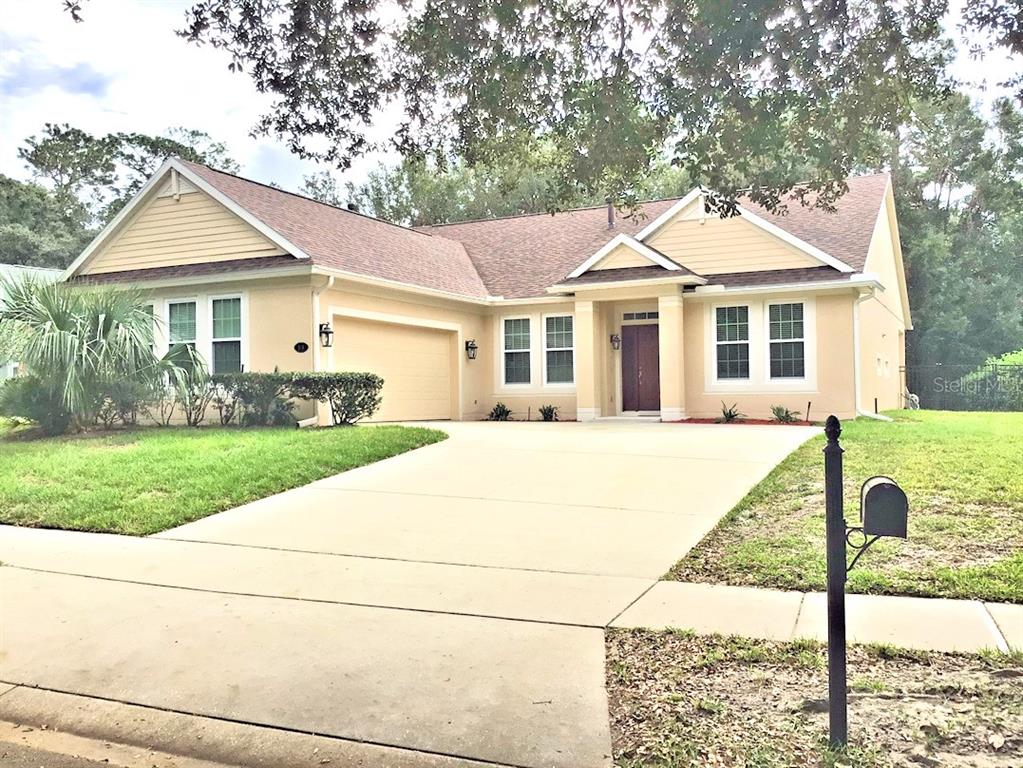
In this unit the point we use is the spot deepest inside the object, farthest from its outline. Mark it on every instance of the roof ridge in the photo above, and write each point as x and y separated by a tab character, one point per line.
310	199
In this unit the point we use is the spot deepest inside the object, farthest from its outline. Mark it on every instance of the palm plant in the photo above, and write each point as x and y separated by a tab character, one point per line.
78	340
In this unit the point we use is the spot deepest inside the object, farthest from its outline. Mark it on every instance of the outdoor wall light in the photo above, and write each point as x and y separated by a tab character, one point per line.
471	348
616	342
326	335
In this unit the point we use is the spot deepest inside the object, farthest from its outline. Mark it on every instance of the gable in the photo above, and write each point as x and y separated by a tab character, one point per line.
177	226
620	257
712	245
884	260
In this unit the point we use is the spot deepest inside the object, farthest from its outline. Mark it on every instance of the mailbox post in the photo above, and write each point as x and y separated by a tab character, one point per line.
884	511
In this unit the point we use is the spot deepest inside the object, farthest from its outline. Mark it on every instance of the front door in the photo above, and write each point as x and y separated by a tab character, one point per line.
641	373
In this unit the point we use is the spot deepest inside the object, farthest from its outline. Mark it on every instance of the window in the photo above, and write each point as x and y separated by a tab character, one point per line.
516	350
227	335
558	346
640	316
732	342
785	322
181	325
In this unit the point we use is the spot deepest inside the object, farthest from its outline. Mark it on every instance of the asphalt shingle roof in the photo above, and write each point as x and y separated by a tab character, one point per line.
512	257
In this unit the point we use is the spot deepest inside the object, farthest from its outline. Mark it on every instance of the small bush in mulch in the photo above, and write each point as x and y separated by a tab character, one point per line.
681	700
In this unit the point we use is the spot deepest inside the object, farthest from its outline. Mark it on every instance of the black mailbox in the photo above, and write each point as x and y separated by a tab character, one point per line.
883	508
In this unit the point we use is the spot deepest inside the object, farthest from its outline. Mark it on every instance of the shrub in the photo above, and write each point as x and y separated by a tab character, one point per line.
160	409
784	415
28	397
193	395
549	412
263	397
225	400
500	412
730	413
352	396
123	401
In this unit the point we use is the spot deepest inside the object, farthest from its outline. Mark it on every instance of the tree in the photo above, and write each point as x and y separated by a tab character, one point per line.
732	88
93	177
324	187
77	342
35	229
75	163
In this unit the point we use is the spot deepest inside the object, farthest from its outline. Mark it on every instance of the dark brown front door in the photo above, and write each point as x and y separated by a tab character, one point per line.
641	373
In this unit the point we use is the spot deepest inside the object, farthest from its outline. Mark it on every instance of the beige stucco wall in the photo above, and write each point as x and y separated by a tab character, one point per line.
190	230
831	392
713	245
882	320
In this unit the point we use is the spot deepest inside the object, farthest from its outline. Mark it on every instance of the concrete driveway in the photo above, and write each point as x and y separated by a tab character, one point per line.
448	603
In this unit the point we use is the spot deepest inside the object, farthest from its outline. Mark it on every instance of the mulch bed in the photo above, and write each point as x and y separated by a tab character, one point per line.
681	700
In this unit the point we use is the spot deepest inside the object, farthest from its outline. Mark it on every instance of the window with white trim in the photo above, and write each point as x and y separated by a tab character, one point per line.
732	342
181	327
559	349
787	353
227	335
515	333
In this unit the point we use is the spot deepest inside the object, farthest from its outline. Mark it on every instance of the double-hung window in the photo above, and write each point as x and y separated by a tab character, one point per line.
559	349
227	335
181	328
732	342
516	350
785	322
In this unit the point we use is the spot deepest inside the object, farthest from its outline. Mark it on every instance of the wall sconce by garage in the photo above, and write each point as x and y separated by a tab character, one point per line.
616	342
326	335
471	348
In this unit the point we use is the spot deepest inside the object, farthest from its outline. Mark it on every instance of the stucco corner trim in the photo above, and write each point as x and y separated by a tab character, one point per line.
587	414
672	414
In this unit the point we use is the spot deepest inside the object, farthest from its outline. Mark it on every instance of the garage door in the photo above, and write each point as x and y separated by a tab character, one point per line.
415	364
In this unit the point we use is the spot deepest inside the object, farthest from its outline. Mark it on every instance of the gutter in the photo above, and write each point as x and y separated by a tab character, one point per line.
857	359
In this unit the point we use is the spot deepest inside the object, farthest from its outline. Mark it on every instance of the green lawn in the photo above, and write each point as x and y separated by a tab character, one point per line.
144	481
963	474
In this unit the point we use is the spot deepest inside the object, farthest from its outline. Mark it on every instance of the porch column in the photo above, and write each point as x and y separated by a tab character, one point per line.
673	378
585	362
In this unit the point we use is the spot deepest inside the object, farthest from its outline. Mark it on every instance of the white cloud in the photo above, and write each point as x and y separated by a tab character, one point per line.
124	69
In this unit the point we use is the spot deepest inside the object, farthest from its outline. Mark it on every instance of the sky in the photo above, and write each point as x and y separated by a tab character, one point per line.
124	69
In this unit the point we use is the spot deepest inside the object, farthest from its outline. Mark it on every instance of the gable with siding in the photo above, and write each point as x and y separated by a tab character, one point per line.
180	229
711	245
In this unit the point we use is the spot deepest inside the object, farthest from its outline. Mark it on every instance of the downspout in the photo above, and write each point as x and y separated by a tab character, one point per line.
857	359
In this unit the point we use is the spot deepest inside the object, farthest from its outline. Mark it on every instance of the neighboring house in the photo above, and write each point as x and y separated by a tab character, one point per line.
9	368
666	315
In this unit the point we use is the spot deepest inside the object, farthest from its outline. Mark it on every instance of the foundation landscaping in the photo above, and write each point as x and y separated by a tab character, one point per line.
101	435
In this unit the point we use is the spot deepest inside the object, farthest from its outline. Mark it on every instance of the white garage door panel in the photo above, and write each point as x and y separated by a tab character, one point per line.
415	364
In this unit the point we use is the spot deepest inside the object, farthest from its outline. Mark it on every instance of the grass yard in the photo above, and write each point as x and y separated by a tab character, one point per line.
680	700
963	474
144	481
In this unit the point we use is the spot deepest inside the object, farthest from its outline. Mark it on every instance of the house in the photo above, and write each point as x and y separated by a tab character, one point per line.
13	272
665	314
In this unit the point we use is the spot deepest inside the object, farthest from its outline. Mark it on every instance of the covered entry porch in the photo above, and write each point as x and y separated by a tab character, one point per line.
630	354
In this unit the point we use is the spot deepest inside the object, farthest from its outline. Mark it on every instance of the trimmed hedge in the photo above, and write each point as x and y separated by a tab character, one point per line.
266	398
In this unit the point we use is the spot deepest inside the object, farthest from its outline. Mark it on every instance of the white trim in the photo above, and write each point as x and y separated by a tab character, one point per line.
503	350
587	414
856	281
409	287
760	381
388	317
628	241
802	340
243	340
204	186
772	229
686	279
544	350
748	341
669	214
673	414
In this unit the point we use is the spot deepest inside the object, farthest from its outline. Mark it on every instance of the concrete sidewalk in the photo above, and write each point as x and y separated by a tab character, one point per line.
907	622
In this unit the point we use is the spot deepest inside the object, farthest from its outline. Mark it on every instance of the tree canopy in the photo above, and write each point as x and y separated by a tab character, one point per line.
731	89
